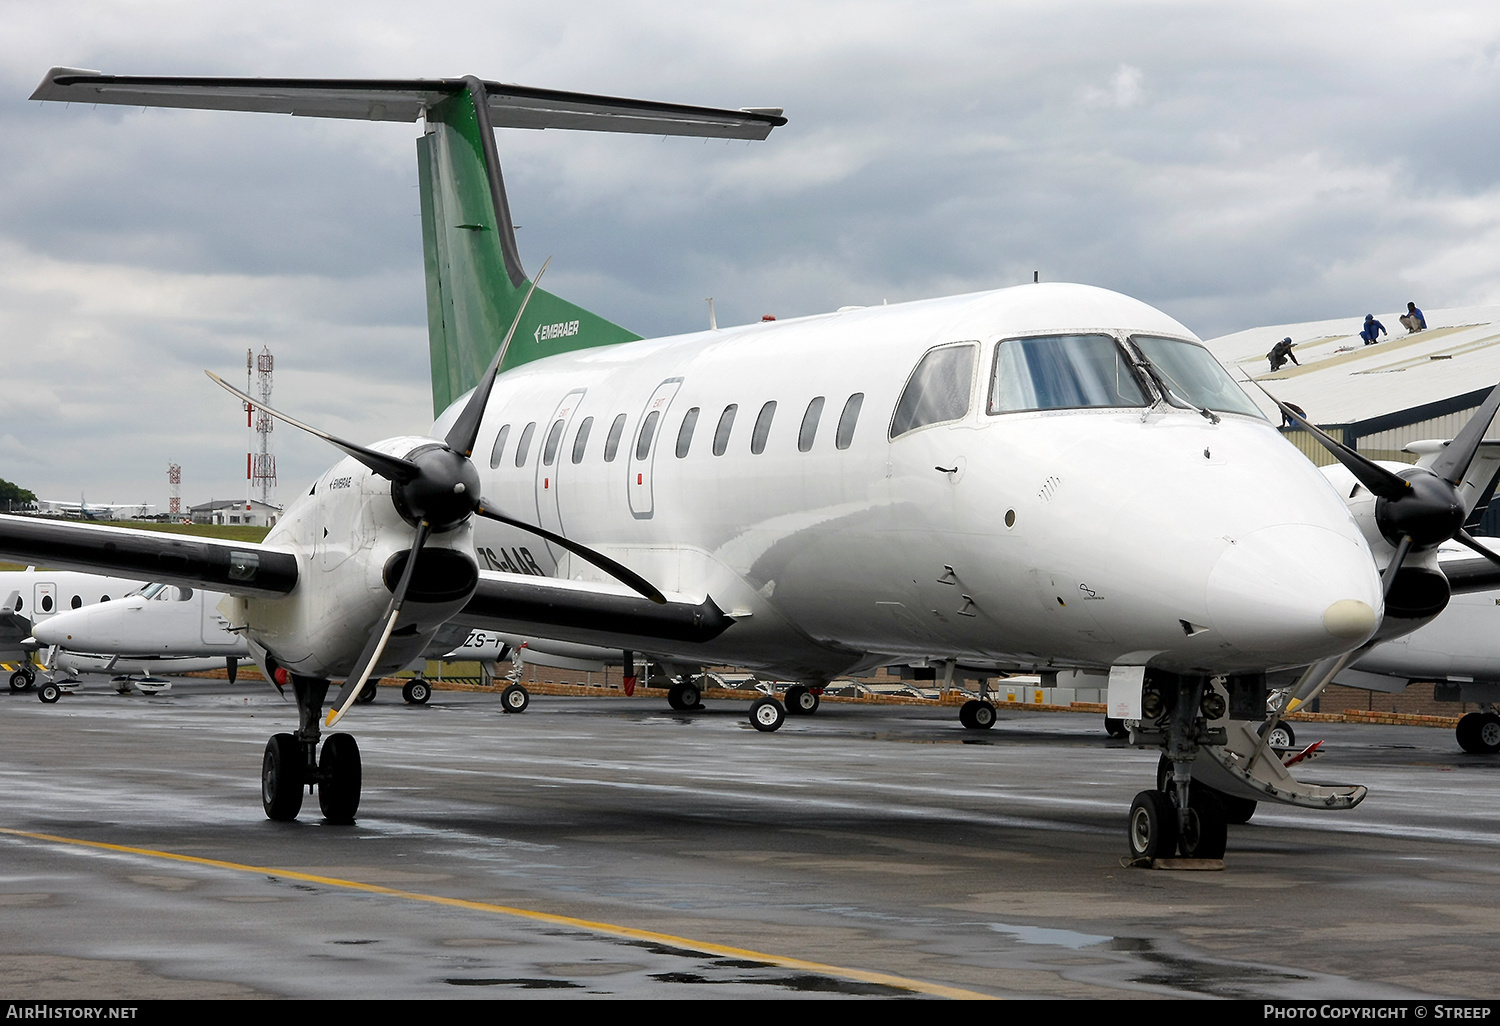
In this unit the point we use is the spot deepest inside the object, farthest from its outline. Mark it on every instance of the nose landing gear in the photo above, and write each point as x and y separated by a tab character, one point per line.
291	762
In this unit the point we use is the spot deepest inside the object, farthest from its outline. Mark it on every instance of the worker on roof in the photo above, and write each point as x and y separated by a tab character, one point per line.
1372	330
1413	320
1280	353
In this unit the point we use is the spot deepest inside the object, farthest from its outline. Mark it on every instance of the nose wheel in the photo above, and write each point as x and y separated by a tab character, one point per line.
292	762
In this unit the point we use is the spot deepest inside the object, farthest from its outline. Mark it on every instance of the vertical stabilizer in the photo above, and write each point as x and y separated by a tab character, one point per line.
475	281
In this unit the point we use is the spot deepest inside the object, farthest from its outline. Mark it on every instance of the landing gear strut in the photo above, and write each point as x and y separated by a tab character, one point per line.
1178	817
291	761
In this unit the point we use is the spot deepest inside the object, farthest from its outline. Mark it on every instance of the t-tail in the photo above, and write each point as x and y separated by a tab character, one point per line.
475	279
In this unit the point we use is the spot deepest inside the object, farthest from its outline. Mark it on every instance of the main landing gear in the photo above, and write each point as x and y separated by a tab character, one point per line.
977	714
292	762
802	700
1479	733
1179	817
22	679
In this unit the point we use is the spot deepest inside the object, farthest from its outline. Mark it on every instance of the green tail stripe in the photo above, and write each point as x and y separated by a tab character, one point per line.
475	283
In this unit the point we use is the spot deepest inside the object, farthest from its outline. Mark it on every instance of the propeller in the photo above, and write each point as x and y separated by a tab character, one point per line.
1416	509
436	488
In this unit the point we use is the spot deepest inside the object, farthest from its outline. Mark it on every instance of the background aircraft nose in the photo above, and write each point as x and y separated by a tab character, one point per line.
1295	593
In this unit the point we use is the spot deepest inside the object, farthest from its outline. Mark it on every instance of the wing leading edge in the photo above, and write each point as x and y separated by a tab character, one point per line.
238	567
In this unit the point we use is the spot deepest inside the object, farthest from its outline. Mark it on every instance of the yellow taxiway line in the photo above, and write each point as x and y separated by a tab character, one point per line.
592	926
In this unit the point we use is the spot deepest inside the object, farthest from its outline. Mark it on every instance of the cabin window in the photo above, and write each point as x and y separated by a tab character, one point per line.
762	428
102	598
77	602
581	440
685	433
612	440
848	419
554	439
938	390
1192	373
500	438
648	430
726	424
523	447
1062	372
809	429
46	603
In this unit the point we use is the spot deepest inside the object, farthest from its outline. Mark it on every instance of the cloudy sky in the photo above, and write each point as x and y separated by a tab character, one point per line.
1232	163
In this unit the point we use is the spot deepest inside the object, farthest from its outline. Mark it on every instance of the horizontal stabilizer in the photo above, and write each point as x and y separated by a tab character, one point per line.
510	106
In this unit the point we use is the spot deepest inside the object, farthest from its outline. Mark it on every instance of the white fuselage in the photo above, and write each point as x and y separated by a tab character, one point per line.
163	621
1062	537
41	594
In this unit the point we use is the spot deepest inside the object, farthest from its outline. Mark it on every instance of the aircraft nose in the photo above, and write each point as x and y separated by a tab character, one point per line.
1295	593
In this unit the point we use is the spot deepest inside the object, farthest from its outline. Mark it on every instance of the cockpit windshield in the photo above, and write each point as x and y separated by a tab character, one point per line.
164	593
1192	373
1061	372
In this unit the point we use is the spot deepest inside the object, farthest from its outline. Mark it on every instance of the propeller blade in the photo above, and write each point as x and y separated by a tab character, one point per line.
1372	475
1394	567
376	645
1453	462
465	430
392	468
623	574
1465	538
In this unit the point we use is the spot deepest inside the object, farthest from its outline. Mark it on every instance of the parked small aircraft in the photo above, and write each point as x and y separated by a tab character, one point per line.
31	596
1040	477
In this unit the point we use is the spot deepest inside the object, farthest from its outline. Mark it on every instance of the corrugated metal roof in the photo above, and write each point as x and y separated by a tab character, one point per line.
1343	381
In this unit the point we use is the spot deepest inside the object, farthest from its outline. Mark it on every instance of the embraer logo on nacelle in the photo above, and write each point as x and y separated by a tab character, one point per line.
561	329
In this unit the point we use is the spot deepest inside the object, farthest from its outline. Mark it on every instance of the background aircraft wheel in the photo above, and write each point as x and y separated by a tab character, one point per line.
1237	810
338	791
767	714
1206	833
1468	733
281	778
49	692
1282	735
683	697
416	691
983	716
1115	728
966	713
800	701
21	680
1152	828
367	694
515	699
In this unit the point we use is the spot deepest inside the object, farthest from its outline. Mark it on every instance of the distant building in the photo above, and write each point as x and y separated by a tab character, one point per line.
249	512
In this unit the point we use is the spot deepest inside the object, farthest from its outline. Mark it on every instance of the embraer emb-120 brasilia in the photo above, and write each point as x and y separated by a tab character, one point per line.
1030	479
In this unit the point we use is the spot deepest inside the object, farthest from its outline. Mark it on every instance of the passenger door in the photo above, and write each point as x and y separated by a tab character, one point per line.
644	445
554	455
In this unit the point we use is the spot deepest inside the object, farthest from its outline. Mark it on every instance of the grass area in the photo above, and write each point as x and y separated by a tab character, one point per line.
229	532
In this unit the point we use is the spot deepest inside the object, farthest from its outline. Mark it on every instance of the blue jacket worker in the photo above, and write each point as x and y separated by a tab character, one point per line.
1413	320
1372	330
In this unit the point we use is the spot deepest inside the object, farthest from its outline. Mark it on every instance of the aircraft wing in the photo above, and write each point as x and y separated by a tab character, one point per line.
605	615
241	568
511	106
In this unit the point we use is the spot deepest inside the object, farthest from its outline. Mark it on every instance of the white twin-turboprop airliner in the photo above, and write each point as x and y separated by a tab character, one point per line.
1030	479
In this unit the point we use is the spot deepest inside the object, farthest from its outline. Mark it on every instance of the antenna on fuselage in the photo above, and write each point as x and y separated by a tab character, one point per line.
713	324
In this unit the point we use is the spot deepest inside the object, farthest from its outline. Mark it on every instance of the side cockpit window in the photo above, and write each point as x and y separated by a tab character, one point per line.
938	391
1062	372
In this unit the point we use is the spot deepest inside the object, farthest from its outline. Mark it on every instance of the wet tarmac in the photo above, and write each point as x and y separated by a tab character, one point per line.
611	847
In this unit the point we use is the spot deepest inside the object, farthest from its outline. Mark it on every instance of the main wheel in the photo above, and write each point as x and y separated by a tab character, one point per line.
684	696
966	713
1152	827
1115	728
1488	734
20	680
367	694
49	692
1467	732
800	701
281	778
1206	832
338	791
515	699
767	714
416	691
983	716
1282	735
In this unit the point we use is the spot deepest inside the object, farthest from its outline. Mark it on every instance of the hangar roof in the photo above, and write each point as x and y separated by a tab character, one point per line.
1343	381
